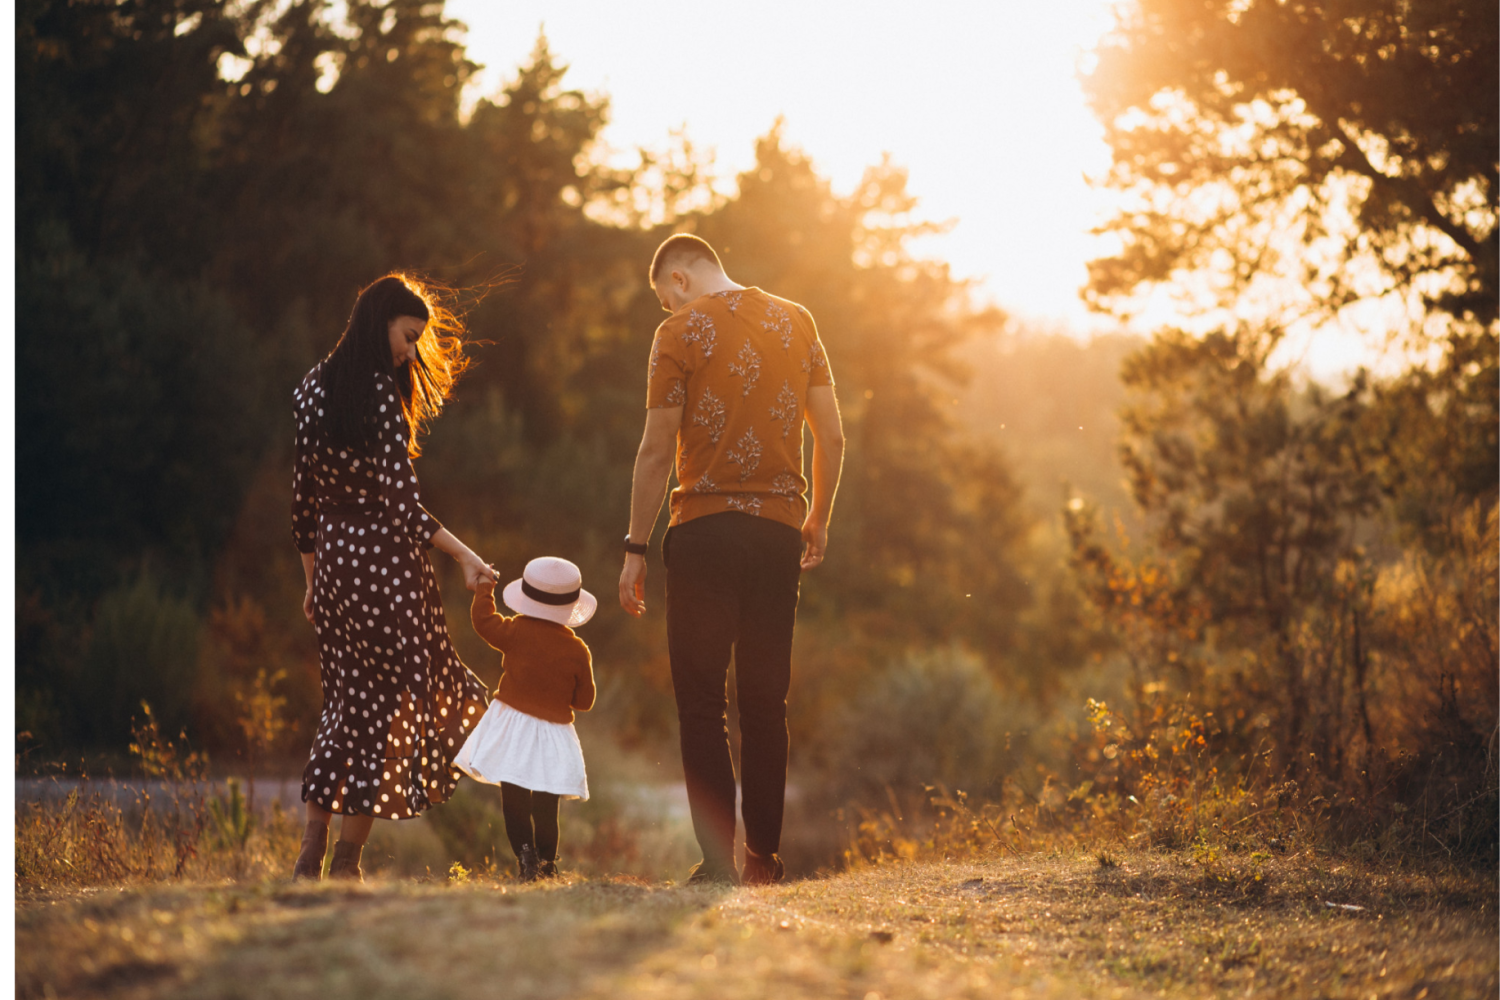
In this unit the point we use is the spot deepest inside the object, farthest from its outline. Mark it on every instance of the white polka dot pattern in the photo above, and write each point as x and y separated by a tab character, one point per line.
397	701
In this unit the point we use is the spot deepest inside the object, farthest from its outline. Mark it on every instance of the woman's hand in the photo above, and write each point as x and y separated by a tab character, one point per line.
477	571
309	570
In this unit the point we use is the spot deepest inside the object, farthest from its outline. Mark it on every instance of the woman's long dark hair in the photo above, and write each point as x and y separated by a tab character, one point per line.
364	351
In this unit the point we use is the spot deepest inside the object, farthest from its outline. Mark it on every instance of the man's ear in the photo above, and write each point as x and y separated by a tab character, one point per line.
679	280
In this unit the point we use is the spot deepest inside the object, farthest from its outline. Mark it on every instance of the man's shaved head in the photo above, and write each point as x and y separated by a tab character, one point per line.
680	250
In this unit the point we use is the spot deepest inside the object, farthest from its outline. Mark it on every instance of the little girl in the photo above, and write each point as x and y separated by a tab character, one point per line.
525	743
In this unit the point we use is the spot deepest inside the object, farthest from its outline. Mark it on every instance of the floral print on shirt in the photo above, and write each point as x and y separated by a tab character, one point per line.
741	364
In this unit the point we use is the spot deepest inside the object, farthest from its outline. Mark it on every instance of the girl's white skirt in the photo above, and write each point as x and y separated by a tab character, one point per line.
509	745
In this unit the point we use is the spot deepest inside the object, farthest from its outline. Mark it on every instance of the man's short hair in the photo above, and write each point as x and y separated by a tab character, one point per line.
682	248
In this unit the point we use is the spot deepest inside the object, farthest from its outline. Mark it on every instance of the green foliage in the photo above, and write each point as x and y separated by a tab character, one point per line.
143	410
1290	161
1270	603
933	719
142	646
232	820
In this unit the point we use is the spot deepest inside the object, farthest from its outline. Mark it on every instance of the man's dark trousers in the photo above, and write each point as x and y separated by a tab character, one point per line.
732	583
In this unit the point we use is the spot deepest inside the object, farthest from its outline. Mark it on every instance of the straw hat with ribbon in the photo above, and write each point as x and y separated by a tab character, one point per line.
551	588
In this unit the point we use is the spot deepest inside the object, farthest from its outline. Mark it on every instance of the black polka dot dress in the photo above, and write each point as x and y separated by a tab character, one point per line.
397	701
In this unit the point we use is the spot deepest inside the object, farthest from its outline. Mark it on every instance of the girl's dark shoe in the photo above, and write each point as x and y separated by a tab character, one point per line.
547	869
345	863
314	845
763	870
528	869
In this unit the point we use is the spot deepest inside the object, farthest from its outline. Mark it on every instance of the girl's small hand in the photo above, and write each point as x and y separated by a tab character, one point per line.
307	606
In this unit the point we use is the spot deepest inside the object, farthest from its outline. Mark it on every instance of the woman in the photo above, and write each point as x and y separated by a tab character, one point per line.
397	701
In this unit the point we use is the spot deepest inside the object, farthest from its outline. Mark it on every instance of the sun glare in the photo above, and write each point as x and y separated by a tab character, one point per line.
979	101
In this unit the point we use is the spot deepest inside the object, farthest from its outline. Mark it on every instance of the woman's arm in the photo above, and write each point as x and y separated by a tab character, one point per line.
305	504
402	497
476	570
398	480
309	564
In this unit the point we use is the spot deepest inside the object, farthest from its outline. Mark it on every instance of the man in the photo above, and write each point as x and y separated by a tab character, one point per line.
733	374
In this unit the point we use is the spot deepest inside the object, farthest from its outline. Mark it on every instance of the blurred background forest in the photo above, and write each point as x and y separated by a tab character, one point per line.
1113	580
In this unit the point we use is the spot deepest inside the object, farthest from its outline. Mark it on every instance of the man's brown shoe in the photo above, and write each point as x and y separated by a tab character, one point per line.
762	870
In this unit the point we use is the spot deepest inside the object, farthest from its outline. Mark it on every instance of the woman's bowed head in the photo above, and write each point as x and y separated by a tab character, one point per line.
400	327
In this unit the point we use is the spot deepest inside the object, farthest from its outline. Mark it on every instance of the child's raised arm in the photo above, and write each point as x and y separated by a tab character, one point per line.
493	627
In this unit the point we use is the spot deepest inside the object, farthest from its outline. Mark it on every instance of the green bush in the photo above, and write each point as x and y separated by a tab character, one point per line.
931	719
143	646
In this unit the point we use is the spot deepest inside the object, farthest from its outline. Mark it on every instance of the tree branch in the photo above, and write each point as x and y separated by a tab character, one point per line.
1409	192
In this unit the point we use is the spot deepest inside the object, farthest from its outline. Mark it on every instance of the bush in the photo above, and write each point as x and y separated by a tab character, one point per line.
145	409
143	646
935	718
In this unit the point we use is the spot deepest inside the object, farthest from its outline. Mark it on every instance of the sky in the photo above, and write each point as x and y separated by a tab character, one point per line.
979	101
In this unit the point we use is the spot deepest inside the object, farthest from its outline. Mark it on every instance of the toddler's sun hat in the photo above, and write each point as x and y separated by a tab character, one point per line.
551	588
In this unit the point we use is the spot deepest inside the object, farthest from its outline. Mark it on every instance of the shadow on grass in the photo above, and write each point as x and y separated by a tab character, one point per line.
384	939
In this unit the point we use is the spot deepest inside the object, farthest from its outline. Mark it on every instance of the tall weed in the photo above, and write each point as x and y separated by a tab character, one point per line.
189	831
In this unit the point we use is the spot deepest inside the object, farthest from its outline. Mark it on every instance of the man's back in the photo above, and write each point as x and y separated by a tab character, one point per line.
740	363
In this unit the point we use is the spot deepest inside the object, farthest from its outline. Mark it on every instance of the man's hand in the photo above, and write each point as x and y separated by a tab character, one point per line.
814	541
828	461
633	585
653	462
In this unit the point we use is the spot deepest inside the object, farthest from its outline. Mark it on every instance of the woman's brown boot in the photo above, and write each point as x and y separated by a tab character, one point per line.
314	846
345	863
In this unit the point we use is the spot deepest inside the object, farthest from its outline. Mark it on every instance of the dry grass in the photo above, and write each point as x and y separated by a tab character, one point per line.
1059	925
87	840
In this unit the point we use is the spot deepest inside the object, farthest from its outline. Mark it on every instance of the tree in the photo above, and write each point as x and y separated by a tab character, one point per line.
1256	499
1281	162
1346	145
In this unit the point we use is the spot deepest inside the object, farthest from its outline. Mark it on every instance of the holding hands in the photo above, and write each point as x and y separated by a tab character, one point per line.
478	574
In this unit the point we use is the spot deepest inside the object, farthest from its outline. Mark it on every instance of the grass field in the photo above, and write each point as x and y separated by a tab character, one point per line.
1037	925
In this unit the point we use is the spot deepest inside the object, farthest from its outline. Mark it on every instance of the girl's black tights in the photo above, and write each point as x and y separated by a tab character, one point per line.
530	818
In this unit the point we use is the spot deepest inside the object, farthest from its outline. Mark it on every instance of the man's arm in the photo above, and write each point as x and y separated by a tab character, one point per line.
653	461
827	464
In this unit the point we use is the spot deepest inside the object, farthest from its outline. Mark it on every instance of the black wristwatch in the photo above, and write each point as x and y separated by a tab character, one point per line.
632	548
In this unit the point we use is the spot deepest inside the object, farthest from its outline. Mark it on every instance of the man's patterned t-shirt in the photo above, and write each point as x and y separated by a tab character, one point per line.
740	364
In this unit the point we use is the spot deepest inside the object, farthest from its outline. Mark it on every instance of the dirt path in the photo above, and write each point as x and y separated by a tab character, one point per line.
1033	926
